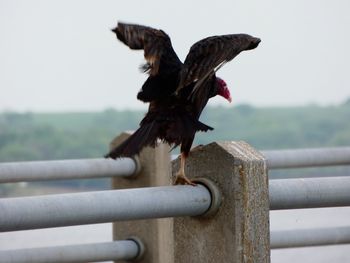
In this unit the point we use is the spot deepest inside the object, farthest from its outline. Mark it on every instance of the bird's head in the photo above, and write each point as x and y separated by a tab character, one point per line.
222	89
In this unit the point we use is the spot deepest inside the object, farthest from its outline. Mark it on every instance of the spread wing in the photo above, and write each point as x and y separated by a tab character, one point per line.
158	51
208	55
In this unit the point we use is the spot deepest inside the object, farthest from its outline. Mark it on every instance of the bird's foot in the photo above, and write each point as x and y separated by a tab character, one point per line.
182	179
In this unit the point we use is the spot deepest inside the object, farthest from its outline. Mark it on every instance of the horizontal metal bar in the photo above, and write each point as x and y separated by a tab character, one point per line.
309	192
66	169
298	158
310	237
22	213
100	167
117	250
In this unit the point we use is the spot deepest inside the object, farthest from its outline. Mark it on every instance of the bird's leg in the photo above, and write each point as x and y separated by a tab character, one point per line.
180	176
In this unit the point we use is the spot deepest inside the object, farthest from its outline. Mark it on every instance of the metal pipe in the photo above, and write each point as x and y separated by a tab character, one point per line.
310	237
100	167
117	250
66	169
309	192
22	213
298	158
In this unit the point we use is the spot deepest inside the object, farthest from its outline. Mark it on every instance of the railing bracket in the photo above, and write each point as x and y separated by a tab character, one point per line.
215	193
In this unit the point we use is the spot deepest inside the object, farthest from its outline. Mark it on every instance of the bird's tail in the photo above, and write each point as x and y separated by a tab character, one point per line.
179	130
146	135
200	126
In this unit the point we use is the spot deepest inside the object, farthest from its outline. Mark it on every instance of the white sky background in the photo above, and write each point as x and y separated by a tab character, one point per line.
62	56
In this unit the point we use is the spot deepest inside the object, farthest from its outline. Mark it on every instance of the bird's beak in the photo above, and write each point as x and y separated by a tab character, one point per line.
227	94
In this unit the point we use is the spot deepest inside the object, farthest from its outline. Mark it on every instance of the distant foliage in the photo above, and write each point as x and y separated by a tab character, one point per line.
276	128
60	136
48	136
80	135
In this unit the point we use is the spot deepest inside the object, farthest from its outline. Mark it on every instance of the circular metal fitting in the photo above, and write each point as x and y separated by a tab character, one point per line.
215	194
138	167
141	247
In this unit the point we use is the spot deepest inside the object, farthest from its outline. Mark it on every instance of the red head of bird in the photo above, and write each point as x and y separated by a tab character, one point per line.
223	89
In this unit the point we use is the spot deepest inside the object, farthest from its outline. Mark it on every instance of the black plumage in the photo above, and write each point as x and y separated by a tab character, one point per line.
177	92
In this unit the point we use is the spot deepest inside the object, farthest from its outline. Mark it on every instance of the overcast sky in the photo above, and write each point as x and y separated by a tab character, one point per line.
61	55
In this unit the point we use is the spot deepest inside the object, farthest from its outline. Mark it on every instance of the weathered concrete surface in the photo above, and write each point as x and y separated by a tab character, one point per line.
155	234
239	232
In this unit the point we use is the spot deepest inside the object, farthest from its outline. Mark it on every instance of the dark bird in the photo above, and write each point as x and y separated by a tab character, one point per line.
177	92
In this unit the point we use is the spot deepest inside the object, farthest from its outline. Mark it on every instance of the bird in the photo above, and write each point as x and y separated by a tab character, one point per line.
177	92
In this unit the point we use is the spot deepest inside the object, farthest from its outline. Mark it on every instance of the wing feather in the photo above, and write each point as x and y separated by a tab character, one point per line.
210	54
156	44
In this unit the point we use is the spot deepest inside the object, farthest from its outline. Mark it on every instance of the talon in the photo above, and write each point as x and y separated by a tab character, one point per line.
183	180
180	176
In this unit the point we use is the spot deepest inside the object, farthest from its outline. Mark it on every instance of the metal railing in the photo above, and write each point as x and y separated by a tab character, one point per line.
66	169
35	212
310	237
314	157
158	202
96	168
117	250
309	192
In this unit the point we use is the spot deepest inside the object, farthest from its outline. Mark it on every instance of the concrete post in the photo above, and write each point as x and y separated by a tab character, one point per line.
155	234
239	231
